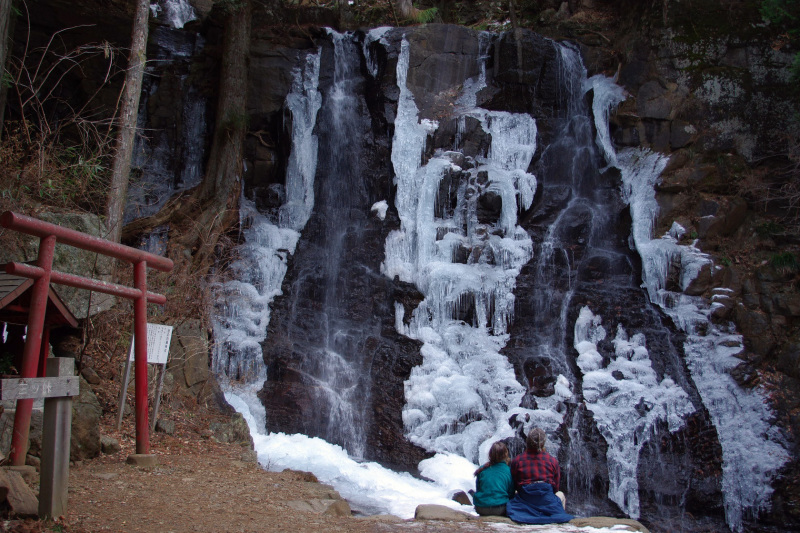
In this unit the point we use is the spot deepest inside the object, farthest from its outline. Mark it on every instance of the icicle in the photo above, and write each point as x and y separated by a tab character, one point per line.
607	95
304	102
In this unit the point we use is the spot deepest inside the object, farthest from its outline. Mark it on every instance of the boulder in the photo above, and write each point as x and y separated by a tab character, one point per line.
86	413
526	72
321	506
755	327
787	304
725	219
461	497
651	101
788	360
442	58
681	134
71	260
440	512
188	353
618	524
317	490
202	7
34	435
271	79
702	282
249	457
165	426
189	366
90	376
657	134
16	494
233	431
383	518
109	445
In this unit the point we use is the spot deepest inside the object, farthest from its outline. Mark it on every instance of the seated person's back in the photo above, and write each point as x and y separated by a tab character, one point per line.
537	476
493	483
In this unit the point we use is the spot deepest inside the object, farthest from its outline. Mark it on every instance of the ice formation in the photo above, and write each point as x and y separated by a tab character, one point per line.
459	398
242	304
752	452
374	35
380	208
607	95
177	12
304	102
627	398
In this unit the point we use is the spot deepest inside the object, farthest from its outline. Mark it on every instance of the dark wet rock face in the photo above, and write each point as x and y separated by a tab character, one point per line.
334	328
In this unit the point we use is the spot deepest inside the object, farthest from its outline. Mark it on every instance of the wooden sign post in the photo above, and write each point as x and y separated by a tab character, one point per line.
158	340
57	389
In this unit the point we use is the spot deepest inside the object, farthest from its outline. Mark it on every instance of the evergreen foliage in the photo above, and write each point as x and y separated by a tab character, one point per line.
787	14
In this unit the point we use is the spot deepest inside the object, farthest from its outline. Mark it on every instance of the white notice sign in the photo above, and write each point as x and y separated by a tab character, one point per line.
158	339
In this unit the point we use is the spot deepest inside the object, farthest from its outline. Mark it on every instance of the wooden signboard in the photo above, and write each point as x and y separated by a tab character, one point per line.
33	388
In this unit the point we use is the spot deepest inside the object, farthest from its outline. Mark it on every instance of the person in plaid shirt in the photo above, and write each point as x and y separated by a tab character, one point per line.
535	464
537	476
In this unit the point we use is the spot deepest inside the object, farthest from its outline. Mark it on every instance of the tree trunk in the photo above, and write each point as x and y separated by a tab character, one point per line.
118	190
512	12
225	159
198	219
406	9
6	30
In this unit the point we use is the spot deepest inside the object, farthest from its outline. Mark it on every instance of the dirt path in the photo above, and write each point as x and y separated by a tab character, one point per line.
200	485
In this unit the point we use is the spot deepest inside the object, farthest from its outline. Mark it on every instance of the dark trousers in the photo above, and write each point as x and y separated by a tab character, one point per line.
496	510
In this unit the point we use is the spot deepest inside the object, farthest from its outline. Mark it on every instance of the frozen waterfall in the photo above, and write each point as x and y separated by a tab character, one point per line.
468	229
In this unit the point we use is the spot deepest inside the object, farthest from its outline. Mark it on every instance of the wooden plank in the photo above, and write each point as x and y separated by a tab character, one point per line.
32	388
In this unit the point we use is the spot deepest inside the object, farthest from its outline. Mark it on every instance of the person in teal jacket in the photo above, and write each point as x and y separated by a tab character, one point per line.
493	483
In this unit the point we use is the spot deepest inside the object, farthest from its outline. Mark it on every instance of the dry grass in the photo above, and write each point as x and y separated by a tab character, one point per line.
38	175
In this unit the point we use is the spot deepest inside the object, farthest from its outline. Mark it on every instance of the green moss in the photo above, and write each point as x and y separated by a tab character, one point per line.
785	262
427	15
768	229
228	7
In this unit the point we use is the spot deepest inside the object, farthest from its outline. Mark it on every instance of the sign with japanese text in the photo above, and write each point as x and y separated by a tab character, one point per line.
158	339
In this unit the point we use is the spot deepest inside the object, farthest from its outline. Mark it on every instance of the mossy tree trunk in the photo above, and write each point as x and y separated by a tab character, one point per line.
121	169
198	218
6	31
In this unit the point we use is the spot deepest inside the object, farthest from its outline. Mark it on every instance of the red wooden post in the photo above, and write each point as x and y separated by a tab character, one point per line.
30	354
140	357
44	352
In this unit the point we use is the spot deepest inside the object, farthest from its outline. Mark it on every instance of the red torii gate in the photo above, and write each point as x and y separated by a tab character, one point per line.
43	275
